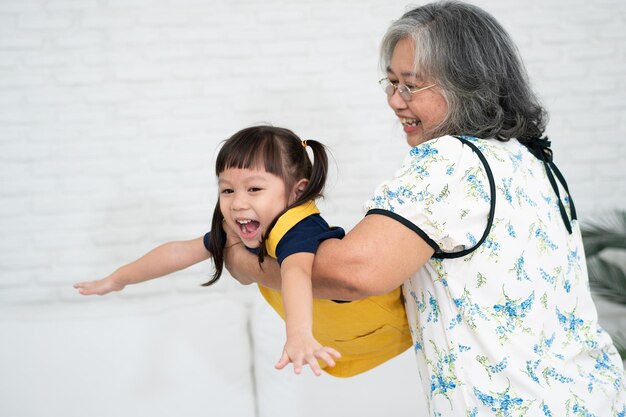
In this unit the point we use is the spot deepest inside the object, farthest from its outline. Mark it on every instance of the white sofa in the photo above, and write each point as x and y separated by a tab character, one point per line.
184	356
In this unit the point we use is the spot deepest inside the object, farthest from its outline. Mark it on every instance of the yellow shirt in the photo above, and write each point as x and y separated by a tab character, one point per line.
366	332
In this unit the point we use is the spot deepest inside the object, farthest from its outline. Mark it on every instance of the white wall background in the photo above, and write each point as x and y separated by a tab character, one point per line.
111	112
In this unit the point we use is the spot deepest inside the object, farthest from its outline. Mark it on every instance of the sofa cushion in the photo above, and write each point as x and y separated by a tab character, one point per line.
164	356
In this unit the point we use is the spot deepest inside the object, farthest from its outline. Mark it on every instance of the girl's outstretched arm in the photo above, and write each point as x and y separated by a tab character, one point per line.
162	260
301	347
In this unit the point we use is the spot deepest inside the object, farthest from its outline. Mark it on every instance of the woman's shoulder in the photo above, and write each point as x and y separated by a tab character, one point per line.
454	148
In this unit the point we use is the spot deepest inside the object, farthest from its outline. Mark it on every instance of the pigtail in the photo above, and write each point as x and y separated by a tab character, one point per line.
317	174
217	242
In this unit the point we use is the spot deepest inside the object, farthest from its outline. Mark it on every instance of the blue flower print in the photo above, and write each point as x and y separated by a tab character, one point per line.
476	185
571	323
469	310
491	244
520	272
576	407
576	328
531	370
516	159
523	197
471	238
433	315
546	410
607	372
552	276
538	233
455	321
503	404
550	279
567	285
506	189
443	375
492	369
424	151
550	373
573	260
511	314
421	305
511	230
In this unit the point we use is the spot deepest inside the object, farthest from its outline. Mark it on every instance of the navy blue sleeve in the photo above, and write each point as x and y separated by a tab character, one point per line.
207	241
306	236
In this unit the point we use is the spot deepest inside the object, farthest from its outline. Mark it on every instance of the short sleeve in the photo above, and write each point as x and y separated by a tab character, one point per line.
441	192
207	241
306	236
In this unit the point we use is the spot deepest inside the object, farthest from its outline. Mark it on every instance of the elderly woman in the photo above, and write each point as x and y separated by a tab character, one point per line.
479	228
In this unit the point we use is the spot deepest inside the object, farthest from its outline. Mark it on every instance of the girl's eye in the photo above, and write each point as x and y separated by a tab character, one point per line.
254	189
226	191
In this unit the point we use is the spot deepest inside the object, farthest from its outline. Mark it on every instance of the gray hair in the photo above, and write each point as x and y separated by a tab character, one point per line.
473	60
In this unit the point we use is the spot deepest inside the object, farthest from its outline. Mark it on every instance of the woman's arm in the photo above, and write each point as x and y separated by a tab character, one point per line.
162	260
374	258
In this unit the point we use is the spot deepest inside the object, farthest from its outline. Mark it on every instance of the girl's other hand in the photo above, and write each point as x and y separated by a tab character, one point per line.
302	350
99	287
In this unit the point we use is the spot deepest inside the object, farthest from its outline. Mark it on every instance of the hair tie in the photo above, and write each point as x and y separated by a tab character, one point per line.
304	144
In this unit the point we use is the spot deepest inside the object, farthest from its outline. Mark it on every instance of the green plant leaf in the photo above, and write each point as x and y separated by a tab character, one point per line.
608	231
607	279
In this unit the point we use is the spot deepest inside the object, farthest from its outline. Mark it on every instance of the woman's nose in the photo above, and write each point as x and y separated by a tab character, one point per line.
396	102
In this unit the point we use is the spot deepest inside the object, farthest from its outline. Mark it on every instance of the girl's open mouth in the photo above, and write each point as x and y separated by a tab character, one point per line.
248	228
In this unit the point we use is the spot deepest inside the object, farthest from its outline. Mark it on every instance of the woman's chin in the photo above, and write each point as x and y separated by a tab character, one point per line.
414	139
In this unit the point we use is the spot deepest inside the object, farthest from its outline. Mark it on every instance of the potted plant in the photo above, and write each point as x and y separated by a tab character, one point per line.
604	239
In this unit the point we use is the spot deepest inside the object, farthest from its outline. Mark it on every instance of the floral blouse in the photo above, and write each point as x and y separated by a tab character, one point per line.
501	316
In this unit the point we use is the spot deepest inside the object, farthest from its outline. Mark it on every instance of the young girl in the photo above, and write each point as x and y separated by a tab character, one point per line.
267	187
262	172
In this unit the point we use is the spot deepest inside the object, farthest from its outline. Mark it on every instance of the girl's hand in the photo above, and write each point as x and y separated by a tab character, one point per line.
304	349
99	287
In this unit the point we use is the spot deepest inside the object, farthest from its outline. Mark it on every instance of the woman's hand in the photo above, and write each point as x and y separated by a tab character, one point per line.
244	265
302	349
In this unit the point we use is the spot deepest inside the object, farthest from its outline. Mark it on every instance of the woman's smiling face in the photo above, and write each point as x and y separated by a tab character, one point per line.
422	115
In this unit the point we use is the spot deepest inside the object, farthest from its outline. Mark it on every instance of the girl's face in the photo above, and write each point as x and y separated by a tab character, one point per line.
427	108
250	199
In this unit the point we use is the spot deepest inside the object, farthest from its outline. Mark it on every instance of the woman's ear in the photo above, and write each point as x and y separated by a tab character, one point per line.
298	189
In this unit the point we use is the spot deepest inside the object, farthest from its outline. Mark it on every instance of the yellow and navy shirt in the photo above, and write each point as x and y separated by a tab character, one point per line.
366	332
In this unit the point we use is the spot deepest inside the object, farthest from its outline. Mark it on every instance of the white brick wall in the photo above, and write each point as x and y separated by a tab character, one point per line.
111	112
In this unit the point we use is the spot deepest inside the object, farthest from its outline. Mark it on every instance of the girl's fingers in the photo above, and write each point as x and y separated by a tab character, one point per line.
333	352
283	361
314	364
325	356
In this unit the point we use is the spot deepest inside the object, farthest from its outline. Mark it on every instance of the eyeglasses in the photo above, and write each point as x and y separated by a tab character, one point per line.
390	87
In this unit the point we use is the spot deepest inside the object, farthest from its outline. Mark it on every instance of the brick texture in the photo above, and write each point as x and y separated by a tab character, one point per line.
111	113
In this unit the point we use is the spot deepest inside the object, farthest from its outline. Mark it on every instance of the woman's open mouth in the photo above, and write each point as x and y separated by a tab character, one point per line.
409	122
